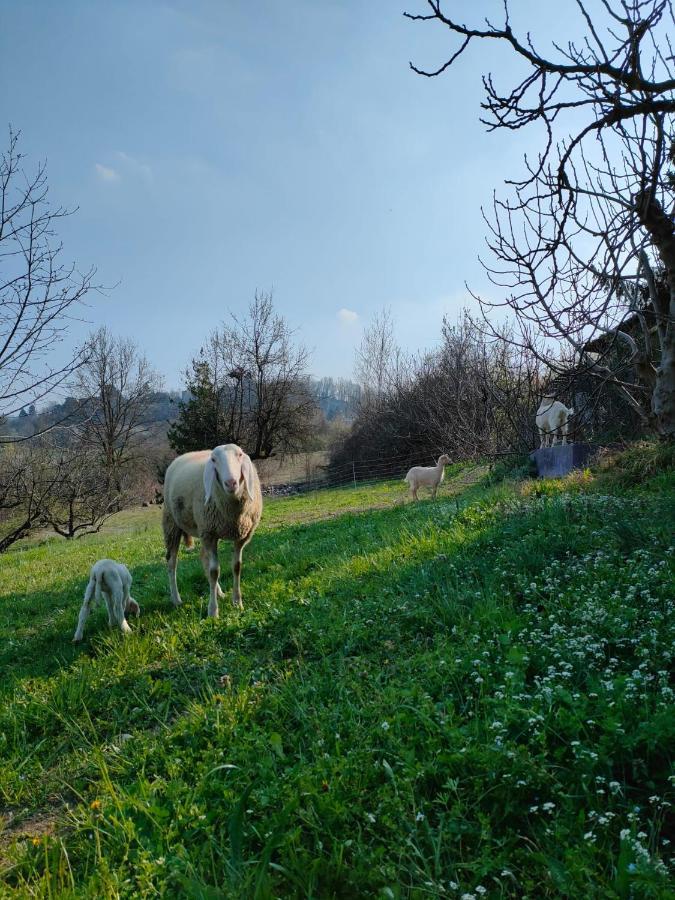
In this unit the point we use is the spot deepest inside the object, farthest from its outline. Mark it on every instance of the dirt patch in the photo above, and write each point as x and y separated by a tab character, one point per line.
15	826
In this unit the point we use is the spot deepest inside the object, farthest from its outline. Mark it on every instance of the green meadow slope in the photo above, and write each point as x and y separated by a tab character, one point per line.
469	697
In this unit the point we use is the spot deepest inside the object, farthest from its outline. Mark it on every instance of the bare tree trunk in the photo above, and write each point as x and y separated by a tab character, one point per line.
660	227
663	400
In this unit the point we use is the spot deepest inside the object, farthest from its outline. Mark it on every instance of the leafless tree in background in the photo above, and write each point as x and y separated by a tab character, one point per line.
82	498
274	368
42	485
579	227
115	385
249	386
471	398
23	489
376	357
38	293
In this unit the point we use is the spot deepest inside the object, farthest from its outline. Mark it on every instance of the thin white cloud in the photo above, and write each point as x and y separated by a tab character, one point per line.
133	165
347	316
106	173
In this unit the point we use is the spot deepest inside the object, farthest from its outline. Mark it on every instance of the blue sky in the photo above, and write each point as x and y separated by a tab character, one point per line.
218	147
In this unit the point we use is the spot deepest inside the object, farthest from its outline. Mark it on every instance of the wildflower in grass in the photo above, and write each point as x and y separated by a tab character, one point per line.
385	726
36	841
419	817
95	804
480	889
370	817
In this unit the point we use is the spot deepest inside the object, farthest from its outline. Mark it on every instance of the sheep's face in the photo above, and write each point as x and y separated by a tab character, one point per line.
230	469
444	460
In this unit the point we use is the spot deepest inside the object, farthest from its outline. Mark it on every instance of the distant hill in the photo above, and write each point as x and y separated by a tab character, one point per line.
335	397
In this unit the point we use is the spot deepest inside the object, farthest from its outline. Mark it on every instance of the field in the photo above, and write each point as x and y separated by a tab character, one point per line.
462	698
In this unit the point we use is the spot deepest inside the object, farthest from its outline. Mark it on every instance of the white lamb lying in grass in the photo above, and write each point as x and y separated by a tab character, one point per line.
429	476
111	581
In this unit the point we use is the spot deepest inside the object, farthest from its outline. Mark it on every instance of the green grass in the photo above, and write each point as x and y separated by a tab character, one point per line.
420	700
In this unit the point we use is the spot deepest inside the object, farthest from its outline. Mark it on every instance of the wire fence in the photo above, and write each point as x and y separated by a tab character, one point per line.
364	472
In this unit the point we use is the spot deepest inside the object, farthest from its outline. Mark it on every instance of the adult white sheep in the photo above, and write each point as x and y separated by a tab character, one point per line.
109	581
211	494
429	476
552	416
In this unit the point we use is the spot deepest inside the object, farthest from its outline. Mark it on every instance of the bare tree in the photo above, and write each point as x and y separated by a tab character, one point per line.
82	498
470	398
24	486
376	357
576	234
38	293
115	384
250	386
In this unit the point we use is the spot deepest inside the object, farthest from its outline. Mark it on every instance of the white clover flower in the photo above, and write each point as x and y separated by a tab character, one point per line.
419	817
370	817
385	726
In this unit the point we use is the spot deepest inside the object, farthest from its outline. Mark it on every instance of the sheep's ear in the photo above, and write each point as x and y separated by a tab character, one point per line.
209	478
247	472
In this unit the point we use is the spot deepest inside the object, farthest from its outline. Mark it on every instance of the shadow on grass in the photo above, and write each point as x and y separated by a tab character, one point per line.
283	563
46	620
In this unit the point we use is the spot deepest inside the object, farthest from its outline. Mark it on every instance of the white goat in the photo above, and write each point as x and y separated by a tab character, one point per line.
429	476
213	494
552	416
109	581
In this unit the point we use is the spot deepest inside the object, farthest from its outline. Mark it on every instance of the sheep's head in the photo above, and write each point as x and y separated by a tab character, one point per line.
444	460
229	468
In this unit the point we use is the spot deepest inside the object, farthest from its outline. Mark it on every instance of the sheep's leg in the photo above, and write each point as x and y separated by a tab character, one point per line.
563	428
172	538
116	602
211	552
542	439
116	611
204	553
85	609
171	564
237	550
433	491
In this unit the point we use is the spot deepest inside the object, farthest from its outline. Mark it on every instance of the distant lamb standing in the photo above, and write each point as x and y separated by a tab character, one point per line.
109	581
429	476
552	416
214	495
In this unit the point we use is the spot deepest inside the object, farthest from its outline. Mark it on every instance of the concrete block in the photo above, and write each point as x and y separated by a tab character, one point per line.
554	462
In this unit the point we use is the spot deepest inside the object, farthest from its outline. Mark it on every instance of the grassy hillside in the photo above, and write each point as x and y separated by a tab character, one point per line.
462	698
